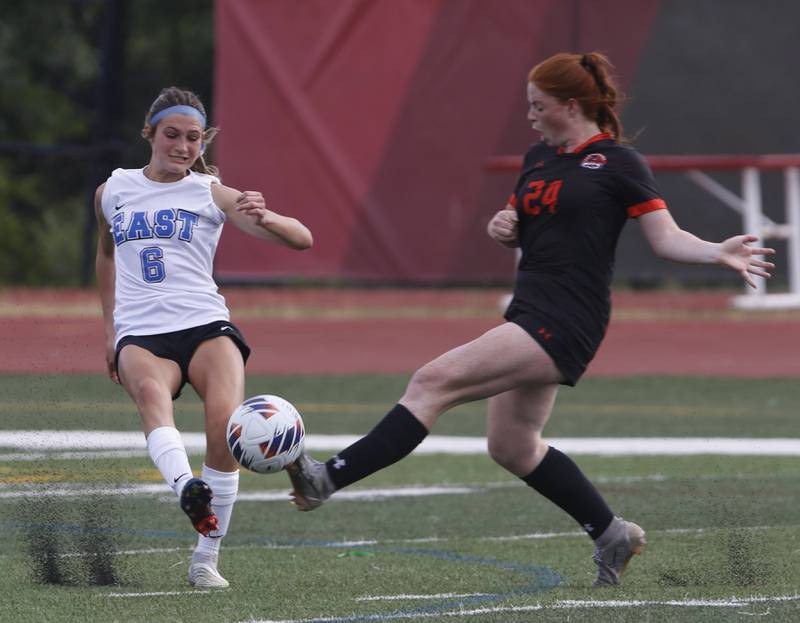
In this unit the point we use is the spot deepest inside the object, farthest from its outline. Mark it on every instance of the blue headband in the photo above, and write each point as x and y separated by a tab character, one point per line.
179	109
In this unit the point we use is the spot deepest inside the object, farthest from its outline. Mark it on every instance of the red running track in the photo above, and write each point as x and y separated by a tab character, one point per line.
381	331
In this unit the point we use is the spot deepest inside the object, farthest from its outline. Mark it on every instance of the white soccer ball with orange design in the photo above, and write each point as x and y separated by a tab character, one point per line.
265	434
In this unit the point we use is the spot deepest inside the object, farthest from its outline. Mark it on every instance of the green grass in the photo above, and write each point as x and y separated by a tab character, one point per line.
718	527
634	406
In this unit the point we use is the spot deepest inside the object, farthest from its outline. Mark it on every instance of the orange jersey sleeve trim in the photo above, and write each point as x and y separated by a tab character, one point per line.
512	201
646	206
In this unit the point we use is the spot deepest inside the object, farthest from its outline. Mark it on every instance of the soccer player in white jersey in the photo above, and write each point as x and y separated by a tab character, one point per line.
165	322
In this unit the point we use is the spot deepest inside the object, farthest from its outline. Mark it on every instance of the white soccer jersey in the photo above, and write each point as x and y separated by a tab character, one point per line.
165	237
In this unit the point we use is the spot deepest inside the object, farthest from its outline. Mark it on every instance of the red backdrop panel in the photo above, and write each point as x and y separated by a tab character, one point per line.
371	120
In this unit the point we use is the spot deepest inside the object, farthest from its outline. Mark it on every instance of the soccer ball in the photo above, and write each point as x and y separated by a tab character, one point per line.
265	434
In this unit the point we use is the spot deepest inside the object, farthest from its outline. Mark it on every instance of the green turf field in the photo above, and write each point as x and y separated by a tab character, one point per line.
723	535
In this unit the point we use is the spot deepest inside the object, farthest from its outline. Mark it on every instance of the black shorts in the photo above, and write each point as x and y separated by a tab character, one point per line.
570	343
179	346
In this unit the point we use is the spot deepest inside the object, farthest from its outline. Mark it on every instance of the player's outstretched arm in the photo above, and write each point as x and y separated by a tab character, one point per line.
673	243
106	277
248	211
503	227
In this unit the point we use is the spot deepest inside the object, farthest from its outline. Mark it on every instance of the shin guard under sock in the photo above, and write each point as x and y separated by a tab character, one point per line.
165	446
561	481
225	486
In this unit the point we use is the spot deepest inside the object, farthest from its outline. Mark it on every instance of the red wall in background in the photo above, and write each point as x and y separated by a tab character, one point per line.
371	120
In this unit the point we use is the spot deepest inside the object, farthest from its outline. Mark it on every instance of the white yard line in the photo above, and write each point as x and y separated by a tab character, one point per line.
733	602
81	441
134	552
81	490
84	490
395	543
419	597
156	594
16	457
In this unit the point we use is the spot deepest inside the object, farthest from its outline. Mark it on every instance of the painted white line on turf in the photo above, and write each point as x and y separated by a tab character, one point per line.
73	440
72	456
132	552
419	597
368	494
577	534
534	536
733	602
359	495
166	495
44	490
157	594
83	490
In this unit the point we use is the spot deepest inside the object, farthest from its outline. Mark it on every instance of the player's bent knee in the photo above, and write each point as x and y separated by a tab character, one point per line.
518	458
149	391
500	453
429	384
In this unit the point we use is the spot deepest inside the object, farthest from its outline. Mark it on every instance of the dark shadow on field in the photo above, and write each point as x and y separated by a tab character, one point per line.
738	565
73	541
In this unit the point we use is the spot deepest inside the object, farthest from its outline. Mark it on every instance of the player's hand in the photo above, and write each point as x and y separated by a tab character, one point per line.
251	202
503	227
737	254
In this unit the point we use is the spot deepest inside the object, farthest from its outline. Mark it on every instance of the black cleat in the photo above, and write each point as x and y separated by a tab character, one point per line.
196	503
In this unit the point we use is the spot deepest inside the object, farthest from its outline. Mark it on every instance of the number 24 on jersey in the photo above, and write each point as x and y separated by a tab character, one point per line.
542	196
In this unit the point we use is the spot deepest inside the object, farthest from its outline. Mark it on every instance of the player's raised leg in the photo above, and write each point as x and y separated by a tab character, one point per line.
496	361
151	382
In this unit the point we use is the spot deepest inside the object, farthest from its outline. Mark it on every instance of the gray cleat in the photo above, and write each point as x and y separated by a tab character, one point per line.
613	557
311	482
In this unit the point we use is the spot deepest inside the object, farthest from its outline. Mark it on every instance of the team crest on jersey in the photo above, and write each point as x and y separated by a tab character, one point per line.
594	161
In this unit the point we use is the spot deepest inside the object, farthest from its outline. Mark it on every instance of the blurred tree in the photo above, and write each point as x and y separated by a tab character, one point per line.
67	117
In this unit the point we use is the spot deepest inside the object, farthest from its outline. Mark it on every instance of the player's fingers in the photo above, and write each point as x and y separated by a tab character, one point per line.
506	220
249	206
252	195
502	231
112	372
247	196
757	271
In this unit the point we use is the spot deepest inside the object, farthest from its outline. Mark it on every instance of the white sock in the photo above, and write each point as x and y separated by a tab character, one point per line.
169	454
225	486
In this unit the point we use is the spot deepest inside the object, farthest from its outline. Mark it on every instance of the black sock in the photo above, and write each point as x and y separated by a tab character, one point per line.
394	437
561	481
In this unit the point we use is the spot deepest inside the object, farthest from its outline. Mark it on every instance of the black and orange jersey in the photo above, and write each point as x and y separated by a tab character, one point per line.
572	207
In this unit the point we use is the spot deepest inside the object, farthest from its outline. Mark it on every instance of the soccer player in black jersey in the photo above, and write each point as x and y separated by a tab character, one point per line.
576	190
